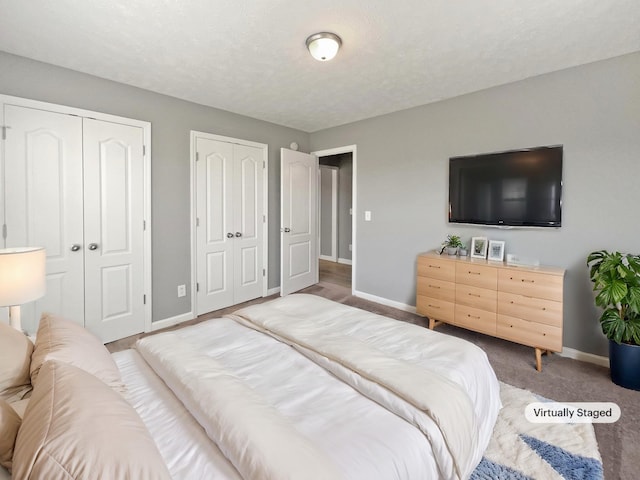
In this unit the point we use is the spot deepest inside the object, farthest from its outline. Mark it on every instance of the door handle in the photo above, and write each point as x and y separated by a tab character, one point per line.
229	235
93	246
238	234
75	247
287	229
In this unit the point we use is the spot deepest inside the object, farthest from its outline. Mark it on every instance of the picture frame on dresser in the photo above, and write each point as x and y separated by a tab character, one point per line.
479	247
496	251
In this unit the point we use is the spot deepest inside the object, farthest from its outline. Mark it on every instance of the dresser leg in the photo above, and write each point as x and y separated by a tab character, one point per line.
539	353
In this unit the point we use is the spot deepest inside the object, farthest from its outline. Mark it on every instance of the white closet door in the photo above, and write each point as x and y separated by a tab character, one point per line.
114	233
216	230
248	219
43	204
298	220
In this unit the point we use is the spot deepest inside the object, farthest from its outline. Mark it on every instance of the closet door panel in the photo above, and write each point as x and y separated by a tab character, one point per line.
44	204
215	232
113	221
247	201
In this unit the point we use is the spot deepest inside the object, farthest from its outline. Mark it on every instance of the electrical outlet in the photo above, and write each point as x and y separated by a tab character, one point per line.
182	290
367	216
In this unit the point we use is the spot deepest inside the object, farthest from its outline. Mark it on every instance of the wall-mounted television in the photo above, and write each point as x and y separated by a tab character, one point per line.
518	188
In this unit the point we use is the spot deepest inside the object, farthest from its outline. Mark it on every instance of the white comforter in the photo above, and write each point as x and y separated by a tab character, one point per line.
274	414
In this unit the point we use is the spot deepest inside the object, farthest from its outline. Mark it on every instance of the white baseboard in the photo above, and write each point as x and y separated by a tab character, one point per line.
273	291
328	258
170	322
385	301
585	357
344	261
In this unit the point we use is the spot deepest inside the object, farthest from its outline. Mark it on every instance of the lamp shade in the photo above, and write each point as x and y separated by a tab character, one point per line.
323	46
22	275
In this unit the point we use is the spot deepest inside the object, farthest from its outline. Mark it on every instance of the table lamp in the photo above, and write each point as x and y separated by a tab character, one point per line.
22	279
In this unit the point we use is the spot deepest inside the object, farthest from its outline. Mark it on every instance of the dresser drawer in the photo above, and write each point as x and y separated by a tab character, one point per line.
529	308
534	334
434	308
475	319
476	297
477	275
531	284
439	289
438	268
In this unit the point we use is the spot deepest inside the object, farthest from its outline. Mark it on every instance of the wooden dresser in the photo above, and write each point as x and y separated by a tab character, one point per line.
521	304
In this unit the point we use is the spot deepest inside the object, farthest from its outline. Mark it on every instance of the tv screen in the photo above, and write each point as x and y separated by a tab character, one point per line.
515	188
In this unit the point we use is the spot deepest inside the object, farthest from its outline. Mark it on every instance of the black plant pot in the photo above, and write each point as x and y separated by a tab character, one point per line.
624	361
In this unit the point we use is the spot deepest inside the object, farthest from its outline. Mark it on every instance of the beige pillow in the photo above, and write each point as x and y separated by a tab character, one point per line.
9	426
68	342
15	358
76	427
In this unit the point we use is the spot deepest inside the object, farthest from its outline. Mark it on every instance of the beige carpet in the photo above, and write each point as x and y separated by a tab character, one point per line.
561	379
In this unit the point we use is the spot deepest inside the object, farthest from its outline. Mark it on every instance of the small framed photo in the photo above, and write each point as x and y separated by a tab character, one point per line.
479	247
496	250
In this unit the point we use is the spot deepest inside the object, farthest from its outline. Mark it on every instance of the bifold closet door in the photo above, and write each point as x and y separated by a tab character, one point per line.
44	204
75	186
229	192
114	229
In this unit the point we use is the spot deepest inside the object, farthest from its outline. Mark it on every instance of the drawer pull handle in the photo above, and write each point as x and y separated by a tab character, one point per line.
434	266
511	302
473	273
434	286
473	316
473	295
510	326
544	308
544	334
530	281
434	306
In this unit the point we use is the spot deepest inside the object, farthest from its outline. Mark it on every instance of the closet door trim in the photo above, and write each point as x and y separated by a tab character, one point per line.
146	129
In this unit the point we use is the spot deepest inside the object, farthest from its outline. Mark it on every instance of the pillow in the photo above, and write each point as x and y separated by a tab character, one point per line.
68	342
76	427
9	425
15	358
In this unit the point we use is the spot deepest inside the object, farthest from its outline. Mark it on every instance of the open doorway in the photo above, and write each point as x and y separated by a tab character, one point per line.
336	218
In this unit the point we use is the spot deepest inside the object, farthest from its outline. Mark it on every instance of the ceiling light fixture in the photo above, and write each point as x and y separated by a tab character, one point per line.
323	46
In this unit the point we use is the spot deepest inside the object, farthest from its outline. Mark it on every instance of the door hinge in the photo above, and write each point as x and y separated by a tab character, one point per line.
197	156
264	272
144	150
264	218
4	132
144	224
144	299
197	287
197	221
264	164
4	231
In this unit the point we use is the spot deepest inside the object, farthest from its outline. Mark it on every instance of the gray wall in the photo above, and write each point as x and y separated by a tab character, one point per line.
593	110
344	162
171	119
326	215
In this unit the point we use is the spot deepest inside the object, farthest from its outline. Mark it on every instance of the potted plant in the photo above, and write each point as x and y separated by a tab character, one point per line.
616	279
462	250
451	244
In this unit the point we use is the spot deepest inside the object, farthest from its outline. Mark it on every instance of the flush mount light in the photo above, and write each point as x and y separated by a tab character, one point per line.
323	46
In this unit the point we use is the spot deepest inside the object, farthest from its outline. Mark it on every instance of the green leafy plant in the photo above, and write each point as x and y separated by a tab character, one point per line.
452	241
616	281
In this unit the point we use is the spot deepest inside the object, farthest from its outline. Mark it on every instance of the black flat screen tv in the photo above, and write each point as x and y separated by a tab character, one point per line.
518	188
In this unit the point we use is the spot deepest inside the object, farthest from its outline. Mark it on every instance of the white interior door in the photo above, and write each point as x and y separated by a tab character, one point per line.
216	231
114	229
248	218
298	220
44	204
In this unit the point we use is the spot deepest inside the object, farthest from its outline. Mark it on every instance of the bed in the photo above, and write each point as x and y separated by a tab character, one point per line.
303	387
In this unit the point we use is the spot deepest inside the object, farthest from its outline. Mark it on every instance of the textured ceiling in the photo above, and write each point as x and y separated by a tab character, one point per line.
249	56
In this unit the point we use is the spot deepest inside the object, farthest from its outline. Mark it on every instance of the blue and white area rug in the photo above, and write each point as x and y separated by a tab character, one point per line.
520	450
